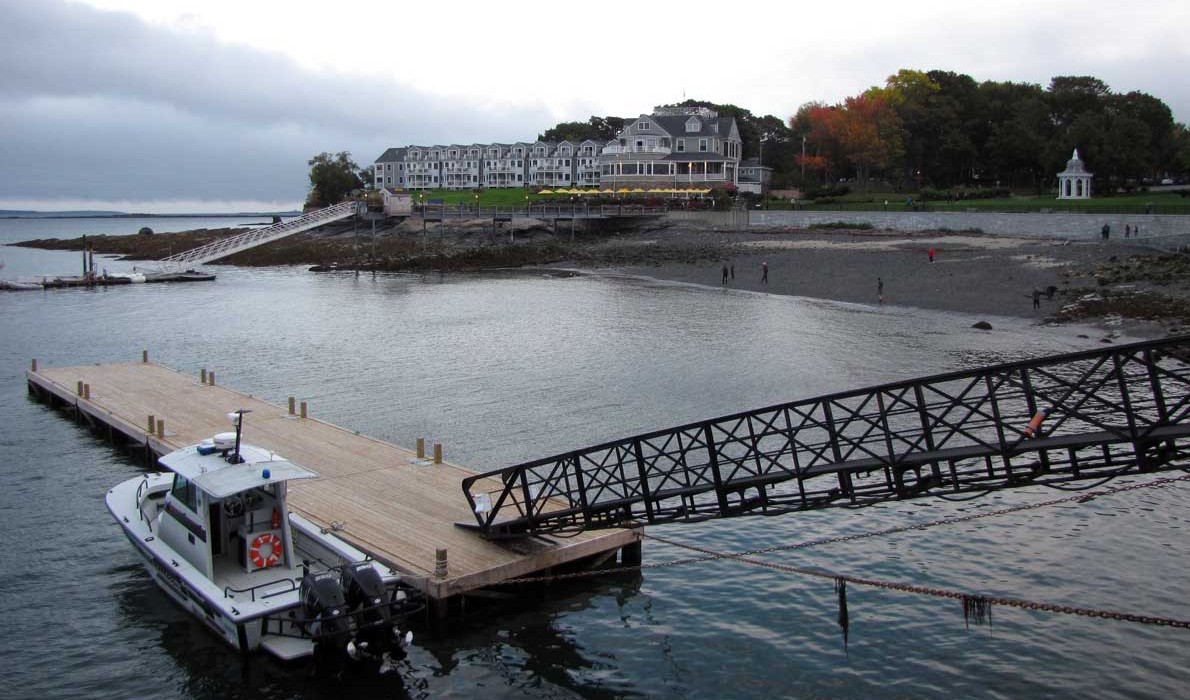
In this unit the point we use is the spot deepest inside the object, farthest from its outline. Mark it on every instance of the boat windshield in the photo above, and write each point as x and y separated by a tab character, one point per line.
185	492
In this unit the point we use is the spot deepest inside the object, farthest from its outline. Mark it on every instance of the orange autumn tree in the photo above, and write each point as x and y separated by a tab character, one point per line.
863	132
869	134
815	122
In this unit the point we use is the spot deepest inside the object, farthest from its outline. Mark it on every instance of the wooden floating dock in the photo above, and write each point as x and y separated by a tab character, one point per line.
384	499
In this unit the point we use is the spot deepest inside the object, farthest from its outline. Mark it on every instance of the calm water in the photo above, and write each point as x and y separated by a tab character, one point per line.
503	368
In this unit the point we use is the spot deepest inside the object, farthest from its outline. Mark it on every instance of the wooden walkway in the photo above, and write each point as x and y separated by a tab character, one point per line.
386	501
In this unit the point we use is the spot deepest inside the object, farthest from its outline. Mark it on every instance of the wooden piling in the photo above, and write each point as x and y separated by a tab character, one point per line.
87	391
144	355
440	567
35	364
80	387
303	409
292	405
152	423
210	378
421	448
160	427
630	554
203	376
437	453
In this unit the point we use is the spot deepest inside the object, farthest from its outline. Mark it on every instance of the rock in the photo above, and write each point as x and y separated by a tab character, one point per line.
145	231
982	325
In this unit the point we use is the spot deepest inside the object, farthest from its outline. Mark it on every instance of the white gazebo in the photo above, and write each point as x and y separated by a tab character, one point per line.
1074	182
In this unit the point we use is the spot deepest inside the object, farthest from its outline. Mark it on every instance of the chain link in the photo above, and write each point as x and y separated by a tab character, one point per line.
745	557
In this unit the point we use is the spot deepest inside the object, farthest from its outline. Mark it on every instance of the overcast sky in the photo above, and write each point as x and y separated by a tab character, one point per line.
170	106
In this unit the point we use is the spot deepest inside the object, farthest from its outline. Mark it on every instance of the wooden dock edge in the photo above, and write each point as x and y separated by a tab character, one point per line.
627	542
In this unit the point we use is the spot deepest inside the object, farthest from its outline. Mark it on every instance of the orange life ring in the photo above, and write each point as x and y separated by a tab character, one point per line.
265	551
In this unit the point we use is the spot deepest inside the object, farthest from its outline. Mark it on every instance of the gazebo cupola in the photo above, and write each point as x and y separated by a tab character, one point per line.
1074	182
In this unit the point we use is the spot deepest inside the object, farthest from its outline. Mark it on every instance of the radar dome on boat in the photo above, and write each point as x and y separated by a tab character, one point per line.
225	441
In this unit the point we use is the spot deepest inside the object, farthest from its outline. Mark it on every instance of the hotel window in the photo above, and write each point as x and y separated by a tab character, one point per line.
643	126
702	144
693	125
681	145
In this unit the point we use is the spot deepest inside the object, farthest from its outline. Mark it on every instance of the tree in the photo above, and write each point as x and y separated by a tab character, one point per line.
1074	95
331	178
599	129
368	176
869	133
815	123
1180	159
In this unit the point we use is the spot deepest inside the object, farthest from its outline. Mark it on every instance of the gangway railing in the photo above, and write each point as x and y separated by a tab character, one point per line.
1082	416
251	239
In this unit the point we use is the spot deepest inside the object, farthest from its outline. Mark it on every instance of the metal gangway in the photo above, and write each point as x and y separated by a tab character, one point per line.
250	239
1086	416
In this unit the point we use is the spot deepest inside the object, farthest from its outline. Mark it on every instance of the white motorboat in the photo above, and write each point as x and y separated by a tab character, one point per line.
216	534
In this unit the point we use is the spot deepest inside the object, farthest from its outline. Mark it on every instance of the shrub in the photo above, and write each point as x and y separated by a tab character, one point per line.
854	225
830	191
962	193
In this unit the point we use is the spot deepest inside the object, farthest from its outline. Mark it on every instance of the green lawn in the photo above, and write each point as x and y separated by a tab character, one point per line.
513	197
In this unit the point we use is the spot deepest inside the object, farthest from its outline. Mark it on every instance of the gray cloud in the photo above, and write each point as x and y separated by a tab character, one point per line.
101	105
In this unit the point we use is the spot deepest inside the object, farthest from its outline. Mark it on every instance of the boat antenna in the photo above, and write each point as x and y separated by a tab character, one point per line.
237	417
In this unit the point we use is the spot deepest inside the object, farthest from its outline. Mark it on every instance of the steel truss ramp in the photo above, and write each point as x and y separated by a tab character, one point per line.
250	239
1082	416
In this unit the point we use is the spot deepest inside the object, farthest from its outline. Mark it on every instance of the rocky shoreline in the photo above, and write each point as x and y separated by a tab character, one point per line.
1109	282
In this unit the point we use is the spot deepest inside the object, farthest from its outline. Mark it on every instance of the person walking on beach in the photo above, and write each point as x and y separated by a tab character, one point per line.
733	270
1105	231
1036	298
931	254
880	289
724	274
764	272
1127	230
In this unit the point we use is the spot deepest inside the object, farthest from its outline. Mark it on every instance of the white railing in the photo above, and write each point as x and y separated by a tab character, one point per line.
622	150
250	239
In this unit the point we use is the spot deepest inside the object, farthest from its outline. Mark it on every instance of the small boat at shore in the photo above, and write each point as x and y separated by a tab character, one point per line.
216	534
15	286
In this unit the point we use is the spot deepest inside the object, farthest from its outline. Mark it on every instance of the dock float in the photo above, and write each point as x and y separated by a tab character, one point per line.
396	505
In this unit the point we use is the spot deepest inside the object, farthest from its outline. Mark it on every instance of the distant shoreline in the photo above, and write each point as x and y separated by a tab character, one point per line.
974	273
123	215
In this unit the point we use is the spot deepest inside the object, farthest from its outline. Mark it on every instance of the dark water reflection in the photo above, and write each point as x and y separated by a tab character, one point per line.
503	368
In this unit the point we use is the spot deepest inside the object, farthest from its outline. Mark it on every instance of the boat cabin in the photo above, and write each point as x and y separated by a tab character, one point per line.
226	511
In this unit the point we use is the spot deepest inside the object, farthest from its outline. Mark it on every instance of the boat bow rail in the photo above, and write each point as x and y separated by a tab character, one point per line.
1081	416
251	239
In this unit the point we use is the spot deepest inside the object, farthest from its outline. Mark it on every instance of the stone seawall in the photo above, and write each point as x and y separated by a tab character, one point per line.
1152	226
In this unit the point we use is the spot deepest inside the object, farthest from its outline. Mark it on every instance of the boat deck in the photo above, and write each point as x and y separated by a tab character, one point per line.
380	497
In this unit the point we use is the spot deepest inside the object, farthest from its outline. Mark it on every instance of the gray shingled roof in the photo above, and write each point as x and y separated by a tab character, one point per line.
392	155
676	126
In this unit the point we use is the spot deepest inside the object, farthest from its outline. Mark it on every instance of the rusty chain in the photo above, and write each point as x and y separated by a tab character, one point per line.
745	557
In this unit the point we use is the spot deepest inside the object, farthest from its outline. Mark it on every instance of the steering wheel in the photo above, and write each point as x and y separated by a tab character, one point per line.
234	506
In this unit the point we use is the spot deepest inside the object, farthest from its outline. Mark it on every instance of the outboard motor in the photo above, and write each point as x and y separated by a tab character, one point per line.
369	600
325	611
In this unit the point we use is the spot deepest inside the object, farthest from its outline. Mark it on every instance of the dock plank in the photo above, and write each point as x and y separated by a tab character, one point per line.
379	496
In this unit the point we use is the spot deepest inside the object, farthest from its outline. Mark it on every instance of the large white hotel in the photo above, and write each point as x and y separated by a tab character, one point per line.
672	147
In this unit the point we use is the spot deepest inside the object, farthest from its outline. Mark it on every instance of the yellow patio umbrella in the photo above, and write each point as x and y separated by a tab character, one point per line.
623	190
545	192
